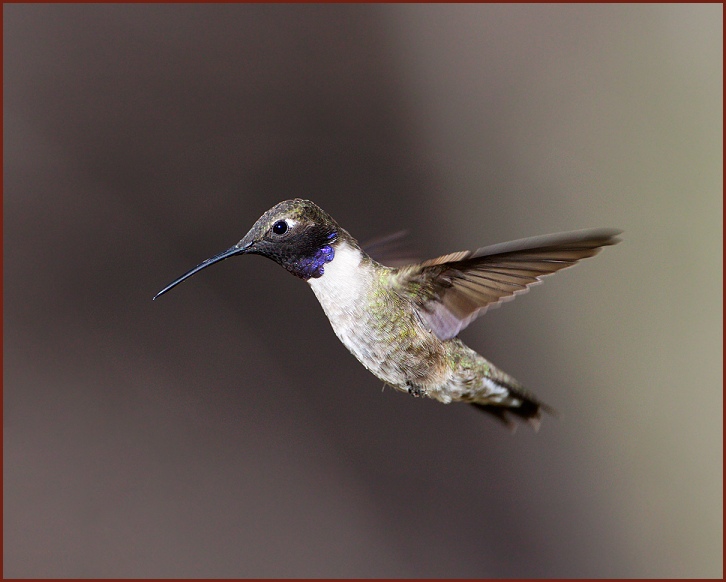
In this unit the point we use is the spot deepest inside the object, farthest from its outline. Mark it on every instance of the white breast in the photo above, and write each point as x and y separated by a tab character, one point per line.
345	291
341	287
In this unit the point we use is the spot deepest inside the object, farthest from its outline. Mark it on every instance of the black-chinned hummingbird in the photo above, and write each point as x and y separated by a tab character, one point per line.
401	323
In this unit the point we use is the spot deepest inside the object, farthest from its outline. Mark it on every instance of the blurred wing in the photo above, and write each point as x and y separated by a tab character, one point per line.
392	250
451	291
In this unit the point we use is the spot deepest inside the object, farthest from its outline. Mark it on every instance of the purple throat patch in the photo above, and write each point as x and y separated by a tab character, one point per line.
315	266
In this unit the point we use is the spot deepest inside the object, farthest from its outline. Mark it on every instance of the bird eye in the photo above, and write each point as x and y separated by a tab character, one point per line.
280	227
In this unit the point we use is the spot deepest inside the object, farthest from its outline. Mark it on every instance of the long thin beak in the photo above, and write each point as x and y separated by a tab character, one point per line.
235	250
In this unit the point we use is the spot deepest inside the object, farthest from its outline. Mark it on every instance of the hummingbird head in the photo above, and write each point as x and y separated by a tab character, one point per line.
297	234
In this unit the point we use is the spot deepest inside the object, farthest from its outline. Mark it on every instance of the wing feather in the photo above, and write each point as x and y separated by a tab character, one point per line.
451	291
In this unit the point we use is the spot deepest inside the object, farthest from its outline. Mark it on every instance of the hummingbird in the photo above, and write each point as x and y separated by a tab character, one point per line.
402	322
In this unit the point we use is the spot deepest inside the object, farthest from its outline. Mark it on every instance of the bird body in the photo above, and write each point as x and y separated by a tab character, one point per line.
369	310
401	323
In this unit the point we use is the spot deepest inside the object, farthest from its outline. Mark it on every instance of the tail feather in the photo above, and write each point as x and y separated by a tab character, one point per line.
528	409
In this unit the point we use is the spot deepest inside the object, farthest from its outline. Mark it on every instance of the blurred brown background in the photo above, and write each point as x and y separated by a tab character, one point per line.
224	430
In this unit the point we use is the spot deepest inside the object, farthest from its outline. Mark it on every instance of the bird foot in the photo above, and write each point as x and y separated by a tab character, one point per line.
415	391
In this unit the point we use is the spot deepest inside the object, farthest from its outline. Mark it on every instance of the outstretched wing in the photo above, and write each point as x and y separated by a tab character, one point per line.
451	291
